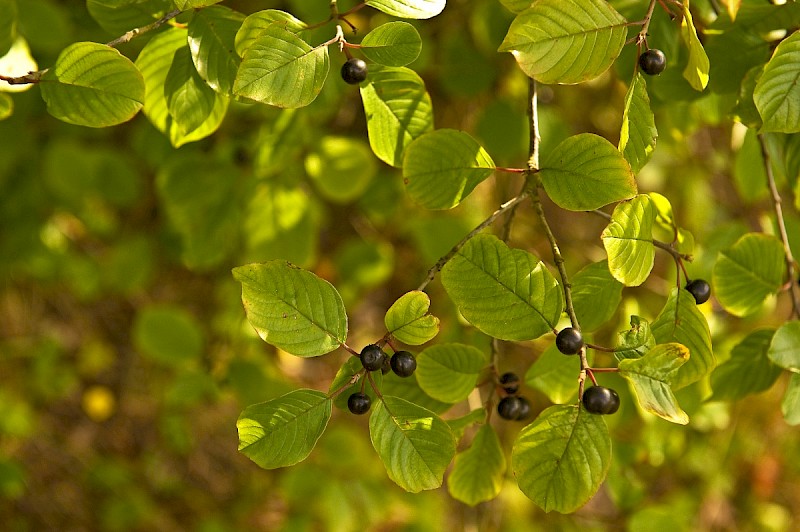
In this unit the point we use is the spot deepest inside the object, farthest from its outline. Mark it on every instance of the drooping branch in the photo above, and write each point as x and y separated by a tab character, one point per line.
777	206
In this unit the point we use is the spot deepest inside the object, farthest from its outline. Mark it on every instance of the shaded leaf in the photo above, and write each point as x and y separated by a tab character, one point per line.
637	139
341	168
628	240
120	16
8	25
506	293
555	375
190	101
651	376
283	431
478	471
748	370
409	321
595	295
791	401
784	350
449	372
291	308
211	39
636	341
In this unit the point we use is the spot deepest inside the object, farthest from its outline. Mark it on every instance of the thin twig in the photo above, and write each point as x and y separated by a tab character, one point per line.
144	29
787	250
480	227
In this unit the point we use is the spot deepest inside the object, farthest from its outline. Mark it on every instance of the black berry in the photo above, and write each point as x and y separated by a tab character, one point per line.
510	382
509	407
700	290
403	363
524	409
569	341
652	62
600	400
372	357
354	71
387	367
359	403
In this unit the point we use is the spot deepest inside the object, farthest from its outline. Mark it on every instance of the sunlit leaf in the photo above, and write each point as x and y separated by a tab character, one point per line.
566	41
183	5
748	370
681	322
561	458
392	44
449	372
18	59
398	110
255	24
637	139
777	92
292	308
696	71
506	293
279	68
414	444
791	401
636	341
418	9
283	431
784	350
555	375
211	39
628	240
93	85
585	172
749	272
409	321
443	167
651	376
478	471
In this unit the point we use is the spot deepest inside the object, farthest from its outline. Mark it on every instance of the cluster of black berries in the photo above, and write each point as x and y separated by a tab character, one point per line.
513	407
597	399
373	358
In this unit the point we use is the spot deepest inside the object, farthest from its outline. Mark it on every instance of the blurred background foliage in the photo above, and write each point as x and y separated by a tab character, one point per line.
125	357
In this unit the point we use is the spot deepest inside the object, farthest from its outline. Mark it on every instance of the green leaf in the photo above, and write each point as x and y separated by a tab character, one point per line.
417	9
93	85
561	458
398	110
409	389
791	401
516	6
763	18
185	5
586	172
291	308
120	16
777	92
341	168
506	293
283	431
651	376
6	106
566	41
167	334
628	240
449	372
198	197
595	295
460	424
414	444
748	370
155	61
8	25
696	71
392	44
637	139
636	341
442	167
190	101
211	39
555	375
747	273
478	471
279	68
784	350
409	321
681	322
255	24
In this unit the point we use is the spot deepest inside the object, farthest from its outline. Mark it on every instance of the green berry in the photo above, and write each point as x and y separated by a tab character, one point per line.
403	363
354	71
372	357
510	382
652	62
600	400
700	289
569	341
359	403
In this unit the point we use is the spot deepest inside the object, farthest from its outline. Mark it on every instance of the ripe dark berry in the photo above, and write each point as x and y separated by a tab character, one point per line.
569	341
510	382
387	367
372	357
354	71
509	407
403	363
700	290
359	403
524	409
600	400
652	62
